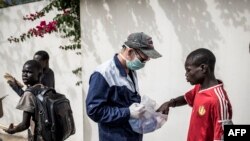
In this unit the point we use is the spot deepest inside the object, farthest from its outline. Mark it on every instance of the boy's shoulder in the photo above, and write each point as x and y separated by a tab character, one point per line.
48	71
35	88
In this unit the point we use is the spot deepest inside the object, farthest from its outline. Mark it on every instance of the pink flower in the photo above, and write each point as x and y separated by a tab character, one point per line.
43	23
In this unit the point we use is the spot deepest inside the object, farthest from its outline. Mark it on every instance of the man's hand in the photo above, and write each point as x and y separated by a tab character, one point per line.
136	110
164	108
11	80
10	130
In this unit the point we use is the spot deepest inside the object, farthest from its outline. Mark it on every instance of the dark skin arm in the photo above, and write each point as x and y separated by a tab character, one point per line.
21	126
178	101
17	88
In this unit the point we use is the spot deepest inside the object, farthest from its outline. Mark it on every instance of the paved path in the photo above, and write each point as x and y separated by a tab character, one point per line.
11	138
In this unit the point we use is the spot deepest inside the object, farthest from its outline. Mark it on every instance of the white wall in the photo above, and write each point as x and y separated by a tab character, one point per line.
177	28
13	56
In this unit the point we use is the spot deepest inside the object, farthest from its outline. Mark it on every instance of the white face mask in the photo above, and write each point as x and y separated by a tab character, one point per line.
134	64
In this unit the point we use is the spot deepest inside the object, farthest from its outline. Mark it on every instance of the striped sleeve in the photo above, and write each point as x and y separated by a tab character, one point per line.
221	112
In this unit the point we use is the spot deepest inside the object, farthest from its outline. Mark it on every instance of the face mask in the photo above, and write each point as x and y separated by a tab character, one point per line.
135	64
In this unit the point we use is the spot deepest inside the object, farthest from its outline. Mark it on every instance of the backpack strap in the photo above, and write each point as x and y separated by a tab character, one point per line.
41	94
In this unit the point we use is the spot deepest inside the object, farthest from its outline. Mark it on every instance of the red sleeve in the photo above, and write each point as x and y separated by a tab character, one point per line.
190	95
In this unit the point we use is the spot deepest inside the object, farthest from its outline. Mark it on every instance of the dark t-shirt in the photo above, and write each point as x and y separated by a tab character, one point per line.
48	78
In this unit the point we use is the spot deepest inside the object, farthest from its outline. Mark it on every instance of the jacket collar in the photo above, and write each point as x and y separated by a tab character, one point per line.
119	66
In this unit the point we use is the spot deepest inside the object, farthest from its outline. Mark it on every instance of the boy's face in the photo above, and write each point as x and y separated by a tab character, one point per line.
30	75
39	59
194	74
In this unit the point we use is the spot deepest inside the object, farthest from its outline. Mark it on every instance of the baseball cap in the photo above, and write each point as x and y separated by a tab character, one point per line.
144	43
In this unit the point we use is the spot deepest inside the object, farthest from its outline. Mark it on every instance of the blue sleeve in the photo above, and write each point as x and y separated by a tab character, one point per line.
98	108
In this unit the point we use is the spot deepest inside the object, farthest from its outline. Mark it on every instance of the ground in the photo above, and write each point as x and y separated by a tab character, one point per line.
11	138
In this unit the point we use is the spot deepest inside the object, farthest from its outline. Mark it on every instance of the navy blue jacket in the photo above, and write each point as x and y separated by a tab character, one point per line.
111	92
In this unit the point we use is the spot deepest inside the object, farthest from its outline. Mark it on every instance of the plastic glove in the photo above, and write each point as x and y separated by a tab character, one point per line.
136	110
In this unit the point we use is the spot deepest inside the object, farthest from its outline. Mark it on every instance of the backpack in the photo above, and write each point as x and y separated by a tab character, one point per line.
53	115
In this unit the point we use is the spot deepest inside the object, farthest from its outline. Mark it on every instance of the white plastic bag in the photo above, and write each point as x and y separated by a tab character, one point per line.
150	120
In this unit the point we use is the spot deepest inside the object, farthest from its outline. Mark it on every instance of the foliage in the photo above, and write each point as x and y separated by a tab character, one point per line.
6	3
67	22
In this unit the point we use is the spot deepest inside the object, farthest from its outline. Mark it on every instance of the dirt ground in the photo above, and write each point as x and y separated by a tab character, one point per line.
11	138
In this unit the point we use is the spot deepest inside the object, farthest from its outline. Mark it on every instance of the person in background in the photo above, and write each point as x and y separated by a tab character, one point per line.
211	108
47	78
113	95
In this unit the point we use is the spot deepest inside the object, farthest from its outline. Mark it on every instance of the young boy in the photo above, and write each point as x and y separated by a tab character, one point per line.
47	78
31	73
209	100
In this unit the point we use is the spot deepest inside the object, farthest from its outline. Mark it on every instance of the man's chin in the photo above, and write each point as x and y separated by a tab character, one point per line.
191	83
25	82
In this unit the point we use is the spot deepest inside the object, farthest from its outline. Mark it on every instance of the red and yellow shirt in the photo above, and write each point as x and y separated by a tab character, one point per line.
211	109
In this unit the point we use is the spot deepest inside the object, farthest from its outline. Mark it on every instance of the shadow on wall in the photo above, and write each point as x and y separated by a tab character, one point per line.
192	21
11	53
193	24
117	17
86	123
232	11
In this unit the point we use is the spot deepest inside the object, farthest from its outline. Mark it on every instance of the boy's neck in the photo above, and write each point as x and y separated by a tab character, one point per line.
207	83
31	85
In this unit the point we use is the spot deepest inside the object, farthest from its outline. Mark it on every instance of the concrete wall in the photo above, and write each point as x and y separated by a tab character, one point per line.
13	56
177	28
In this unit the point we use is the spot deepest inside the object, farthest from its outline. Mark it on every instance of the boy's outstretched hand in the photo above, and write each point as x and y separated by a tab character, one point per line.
10	130
12	81
164	108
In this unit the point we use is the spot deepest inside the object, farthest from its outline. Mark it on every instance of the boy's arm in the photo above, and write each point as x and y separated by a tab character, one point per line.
178	101
21	126
14	84
16	88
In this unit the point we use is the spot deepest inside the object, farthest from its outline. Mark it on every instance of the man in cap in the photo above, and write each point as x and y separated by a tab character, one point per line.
113	96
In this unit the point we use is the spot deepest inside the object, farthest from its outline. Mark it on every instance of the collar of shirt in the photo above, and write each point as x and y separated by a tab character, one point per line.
220	84
119	66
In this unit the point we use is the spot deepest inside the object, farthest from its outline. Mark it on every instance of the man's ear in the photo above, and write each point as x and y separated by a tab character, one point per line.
204	68
130	51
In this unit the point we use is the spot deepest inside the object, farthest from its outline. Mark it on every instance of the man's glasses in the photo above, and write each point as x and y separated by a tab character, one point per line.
138	54
143	60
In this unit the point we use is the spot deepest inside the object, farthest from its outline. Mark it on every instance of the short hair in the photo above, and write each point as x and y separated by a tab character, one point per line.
202	56
35	64
44	55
